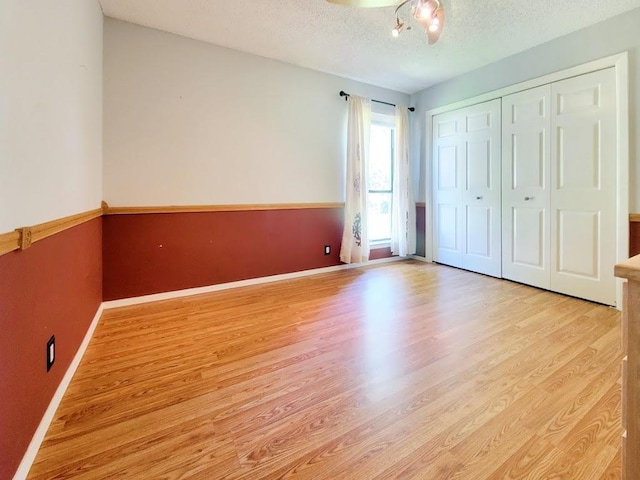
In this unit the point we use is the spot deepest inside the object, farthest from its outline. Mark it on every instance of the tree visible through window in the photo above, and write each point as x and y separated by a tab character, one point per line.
380	182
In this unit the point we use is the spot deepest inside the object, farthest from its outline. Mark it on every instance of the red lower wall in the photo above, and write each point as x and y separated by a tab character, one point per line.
634	239
52	288
151	253
379	253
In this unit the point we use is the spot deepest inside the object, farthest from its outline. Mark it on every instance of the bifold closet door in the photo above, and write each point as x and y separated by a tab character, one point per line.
559	186
466	186
526	178
583	180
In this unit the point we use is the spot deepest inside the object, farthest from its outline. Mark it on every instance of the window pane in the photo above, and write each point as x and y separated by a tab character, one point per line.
379	216
380	158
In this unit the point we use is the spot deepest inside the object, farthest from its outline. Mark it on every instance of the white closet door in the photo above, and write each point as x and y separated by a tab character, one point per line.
481	193
447	188
583	179
525	186
467	188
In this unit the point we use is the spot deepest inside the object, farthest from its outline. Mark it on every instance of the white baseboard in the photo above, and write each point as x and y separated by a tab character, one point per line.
41	431
125	302
420	259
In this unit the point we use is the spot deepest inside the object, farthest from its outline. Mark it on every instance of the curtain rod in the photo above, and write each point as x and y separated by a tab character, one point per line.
346	96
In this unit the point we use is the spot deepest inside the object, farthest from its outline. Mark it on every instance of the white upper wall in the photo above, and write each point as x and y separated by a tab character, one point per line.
50	110
607	38
190	123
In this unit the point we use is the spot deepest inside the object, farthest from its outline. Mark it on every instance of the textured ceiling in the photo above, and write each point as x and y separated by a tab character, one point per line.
356	42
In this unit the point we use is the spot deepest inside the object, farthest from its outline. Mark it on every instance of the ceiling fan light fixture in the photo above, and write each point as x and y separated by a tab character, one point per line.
365	3
428	13
395	33
425	13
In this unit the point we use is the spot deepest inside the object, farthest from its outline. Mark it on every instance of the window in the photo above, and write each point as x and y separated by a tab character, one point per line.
380	179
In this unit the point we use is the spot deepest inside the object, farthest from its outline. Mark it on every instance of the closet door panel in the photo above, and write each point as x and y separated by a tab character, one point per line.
528	239
466	185
481	195
528	157
478	231
525	186
583	168
578	243
447	188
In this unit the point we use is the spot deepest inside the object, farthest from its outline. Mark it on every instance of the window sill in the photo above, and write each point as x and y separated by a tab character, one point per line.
380	244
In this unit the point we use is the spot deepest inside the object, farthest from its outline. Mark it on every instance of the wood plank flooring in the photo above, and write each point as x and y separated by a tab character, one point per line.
407	370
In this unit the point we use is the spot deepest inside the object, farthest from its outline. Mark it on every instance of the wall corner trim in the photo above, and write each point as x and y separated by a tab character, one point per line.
41	431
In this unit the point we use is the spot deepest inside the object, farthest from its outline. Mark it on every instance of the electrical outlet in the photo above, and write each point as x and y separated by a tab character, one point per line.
327	249
51	352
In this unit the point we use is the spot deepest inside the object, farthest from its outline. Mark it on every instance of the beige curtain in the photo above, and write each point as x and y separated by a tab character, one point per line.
403	213
355	241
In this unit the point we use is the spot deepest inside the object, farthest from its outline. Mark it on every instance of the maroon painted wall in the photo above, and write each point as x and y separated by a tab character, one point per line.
152	253
634	239
52	288
380	252
420	230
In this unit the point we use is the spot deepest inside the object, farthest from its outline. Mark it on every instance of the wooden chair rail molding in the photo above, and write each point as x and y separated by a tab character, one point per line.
9	242
634	217
23	237
215	208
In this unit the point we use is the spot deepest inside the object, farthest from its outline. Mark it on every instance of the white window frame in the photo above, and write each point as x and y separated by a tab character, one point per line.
383	120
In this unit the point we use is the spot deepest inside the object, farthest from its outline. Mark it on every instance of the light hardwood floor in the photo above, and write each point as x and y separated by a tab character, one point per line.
406	370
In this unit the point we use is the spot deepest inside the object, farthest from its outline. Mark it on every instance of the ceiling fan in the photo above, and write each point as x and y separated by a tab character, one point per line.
428	13
366	3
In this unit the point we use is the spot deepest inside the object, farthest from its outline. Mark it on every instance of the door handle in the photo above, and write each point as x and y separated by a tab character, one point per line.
526	199
479	198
